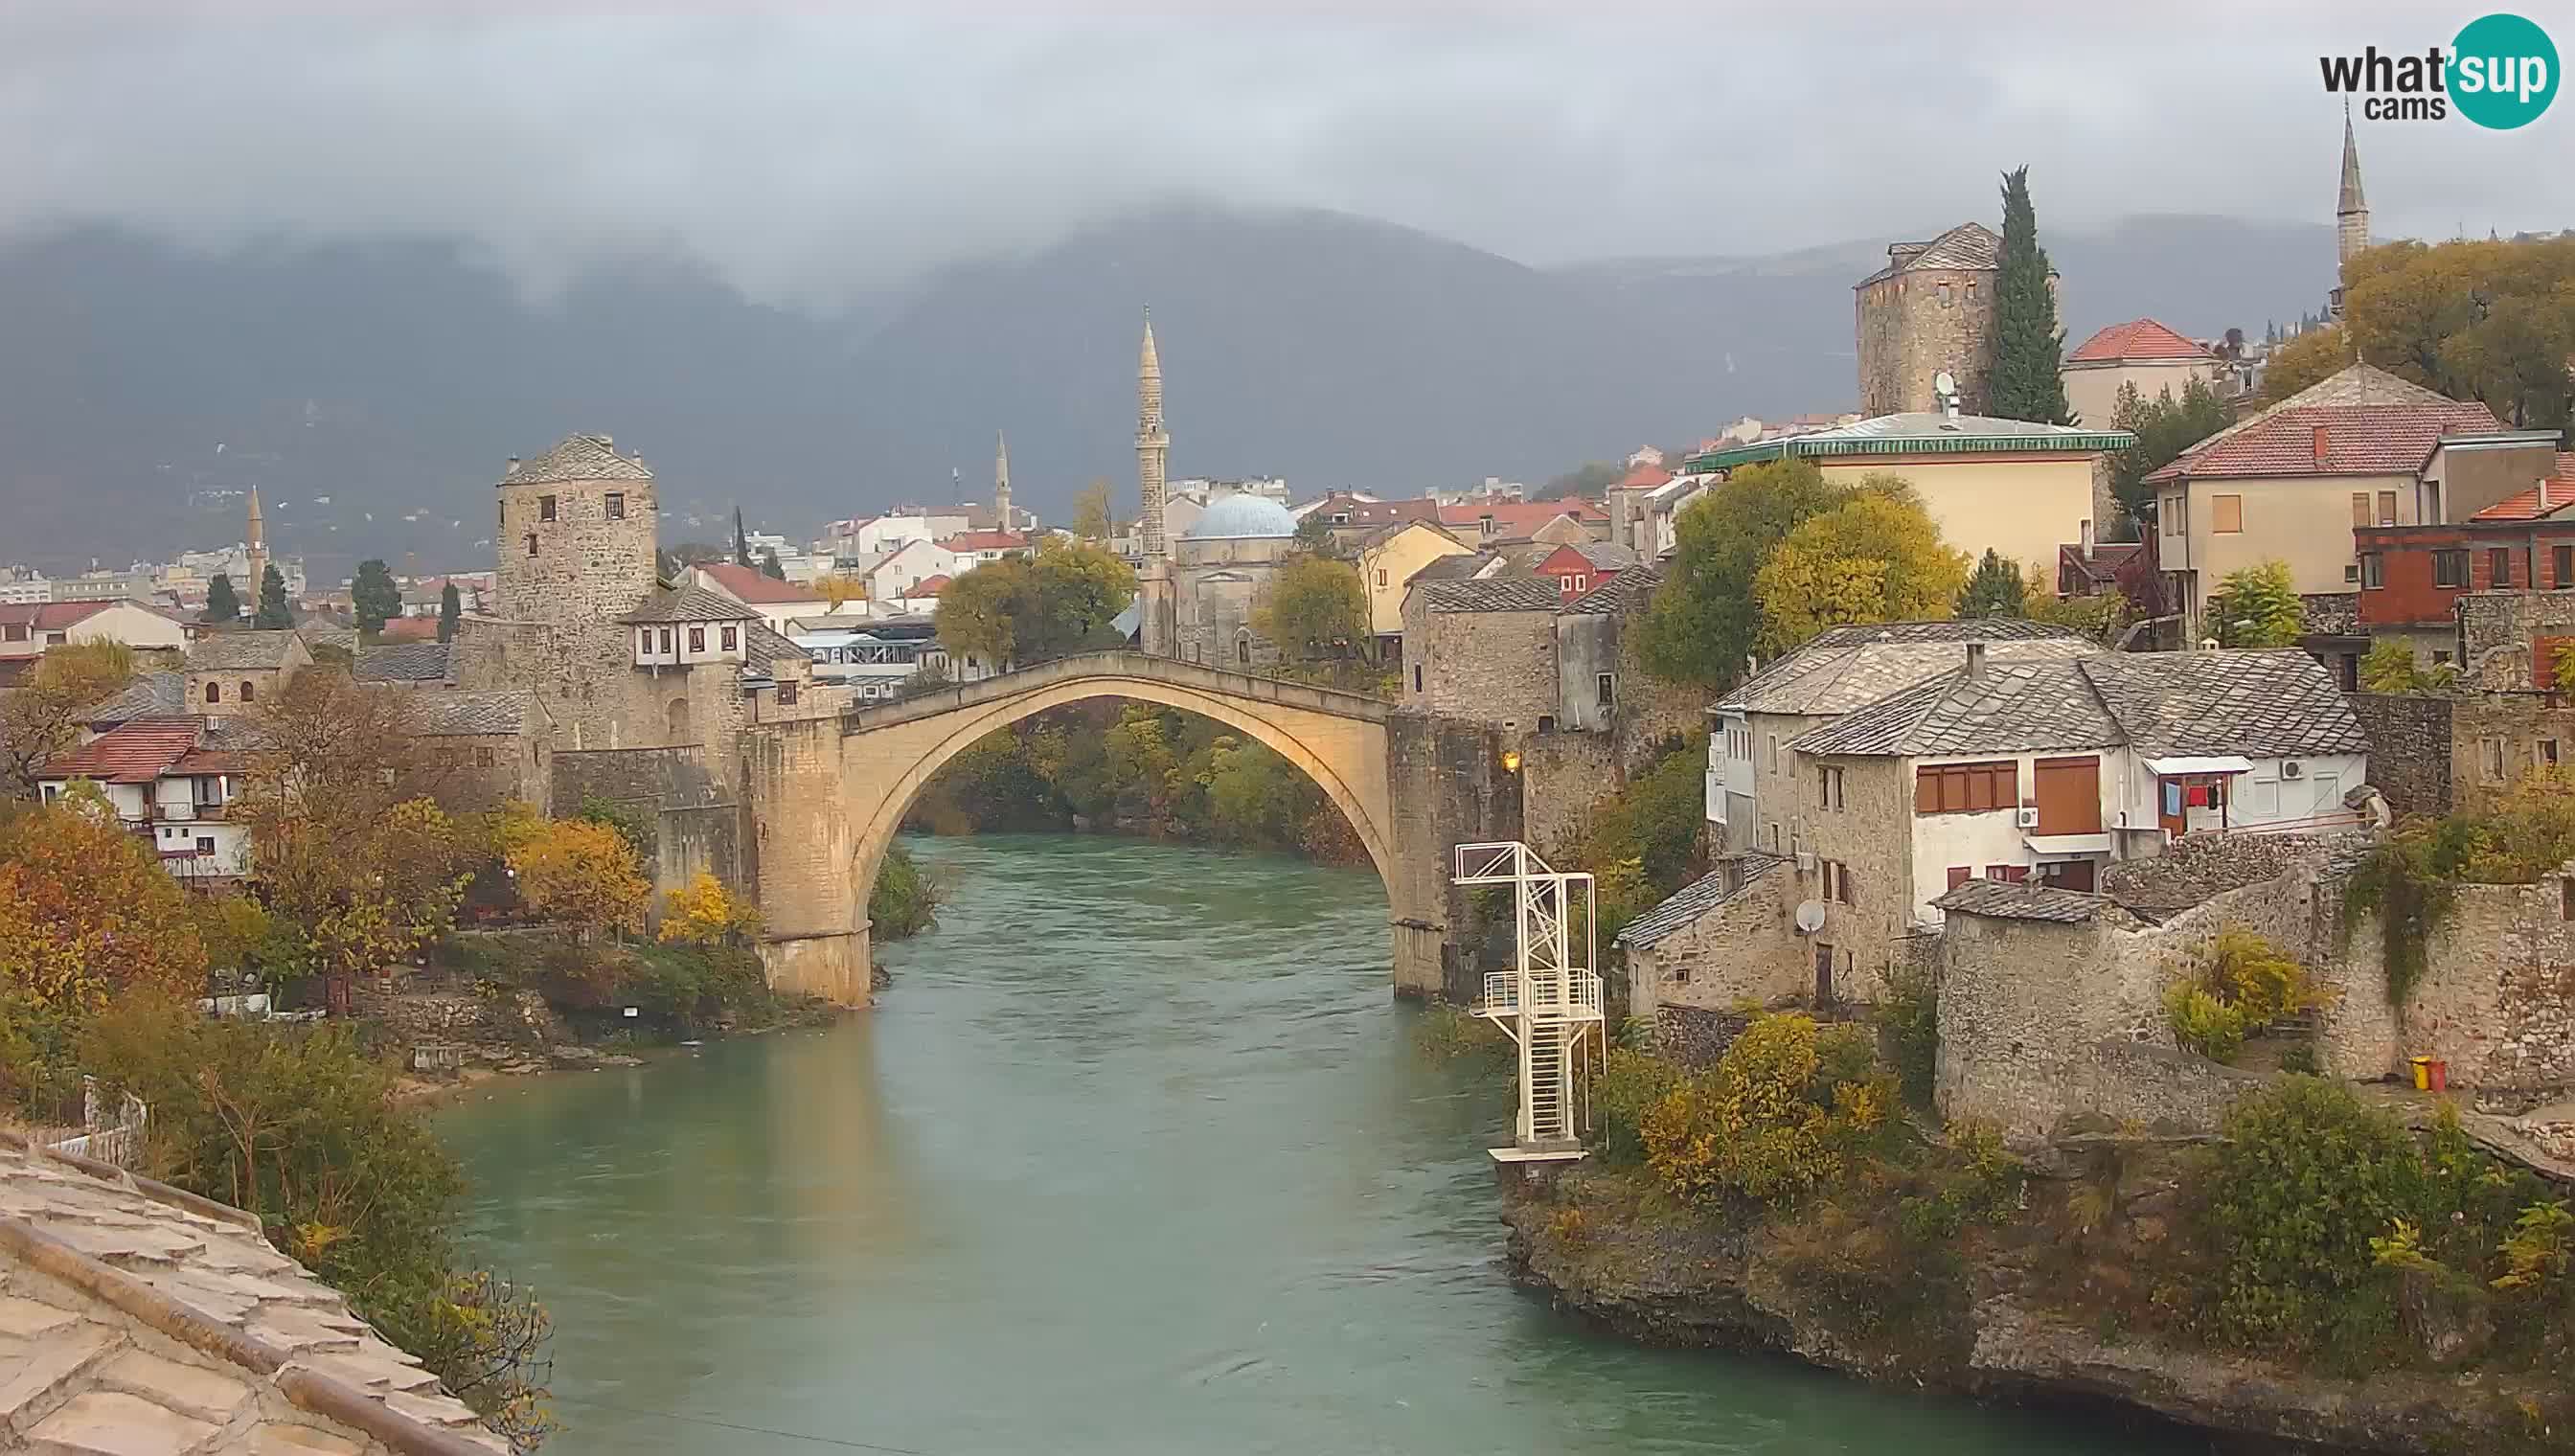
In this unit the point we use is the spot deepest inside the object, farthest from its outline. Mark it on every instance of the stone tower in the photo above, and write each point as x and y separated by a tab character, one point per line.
578	534
2351	213
1001	519
258	554
1157	625
1932	308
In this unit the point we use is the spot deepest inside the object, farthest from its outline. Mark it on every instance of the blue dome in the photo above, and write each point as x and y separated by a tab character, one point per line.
1242	516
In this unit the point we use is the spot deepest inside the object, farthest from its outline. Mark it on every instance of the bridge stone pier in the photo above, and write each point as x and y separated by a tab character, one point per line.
825	797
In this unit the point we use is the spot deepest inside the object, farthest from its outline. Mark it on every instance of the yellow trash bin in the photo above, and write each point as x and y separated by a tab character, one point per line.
2422	1073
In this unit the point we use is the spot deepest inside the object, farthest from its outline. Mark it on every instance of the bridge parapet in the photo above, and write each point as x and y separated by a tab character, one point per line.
1140	666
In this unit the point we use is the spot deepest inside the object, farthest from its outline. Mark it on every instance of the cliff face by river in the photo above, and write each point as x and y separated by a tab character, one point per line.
2015	1318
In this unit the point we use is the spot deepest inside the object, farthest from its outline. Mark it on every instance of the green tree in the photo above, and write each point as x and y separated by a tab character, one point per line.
1996	588
2391	666
451	610
41	717
2164	428
375	596
1029	608
1876	558
1315	536
2475	320
1091	513
271	614
2304	362
741	541
1702	624
223	604
1314	608
768	566
2028	347
2257	607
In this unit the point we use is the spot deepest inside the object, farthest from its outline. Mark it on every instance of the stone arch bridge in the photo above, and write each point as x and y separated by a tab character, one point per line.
826	796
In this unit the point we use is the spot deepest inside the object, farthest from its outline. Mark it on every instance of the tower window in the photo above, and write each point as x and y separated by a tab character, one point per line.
532	542
616	505
214	693
545	508
248	691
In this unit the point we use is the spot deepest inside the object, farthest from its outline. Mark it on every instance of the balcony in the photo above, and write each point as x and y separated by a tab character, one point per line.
188	813
1553	995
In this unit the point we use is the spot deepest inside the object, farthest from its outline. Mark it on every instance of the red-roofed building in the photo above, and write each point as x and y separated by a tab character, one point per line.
1560	521
2141	352
974	547
777	602
409	629
27	629
927	589
167	786
1579	568
2359	450
2411	576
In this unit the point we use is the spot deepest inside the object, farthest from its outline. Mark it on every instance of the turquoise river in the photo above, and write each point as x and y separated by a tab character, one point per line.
1137	1155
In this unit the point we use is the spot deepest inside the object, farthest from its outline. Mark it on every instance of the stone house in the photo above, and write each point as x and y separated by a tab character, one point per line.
232	672
2357	451
405	664
2141	352
2435	753
2411	576
485	749
1388	558
2007	485
1751	777
1727	939
1483	650
2508	640
1929	309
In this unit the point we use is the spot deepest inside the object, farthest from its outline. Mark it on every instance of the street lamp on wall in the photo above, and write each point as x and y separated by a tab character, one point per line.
1510	760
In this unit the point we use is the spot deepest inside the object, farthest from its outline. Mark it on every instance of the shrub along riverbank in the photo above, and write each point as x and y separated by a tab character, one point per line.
2319	1273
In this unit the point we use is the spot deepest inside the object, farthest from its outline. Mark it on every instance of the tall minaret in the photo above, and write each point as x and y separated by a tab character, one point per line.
1002	481
1152	447
258	554
2351	211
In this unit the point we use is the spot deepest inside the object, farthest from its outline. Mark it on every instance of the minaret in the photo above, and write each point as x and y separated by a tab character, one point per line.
258	554
1002	480
2351	211
1152	447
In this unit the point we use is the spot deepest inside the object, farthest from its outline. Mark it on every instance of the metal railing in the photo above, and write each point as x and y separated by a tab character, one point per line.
1563	997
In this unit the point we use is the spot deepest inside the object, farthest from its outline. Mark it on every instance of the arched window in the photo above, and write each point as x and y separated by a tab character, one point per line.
214	693
1242	648
676	719
249	690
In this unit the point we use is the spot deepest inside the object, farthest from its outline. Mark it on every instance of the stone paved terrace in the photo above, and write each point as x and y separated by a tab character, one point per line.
138	1320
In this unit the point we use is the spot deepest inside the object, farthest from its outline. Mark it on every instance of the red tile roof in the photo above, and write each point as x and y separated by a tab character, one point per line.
1646	478
2331	440
134	752
1522	516
749	586
929	586
409	629
2560	489
965	541
50	616
2135	339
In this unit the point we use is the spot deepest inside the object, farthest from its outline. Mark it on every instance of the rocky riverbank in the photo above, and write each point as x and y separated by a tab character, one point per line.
2012	1318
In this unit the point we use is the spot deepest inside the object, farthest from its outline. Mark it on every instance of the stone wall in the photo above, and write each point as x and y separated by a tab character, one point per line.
1907	333
1695	1036
1745	951
2498	628
1871	834
802	855
519	1018
2496	737
2409	749
1486	666
2496	999
1446	787
1563	777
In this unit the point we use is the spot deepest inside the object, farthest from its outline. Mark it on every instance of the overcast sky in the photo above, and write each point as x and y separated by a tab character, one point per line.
813	152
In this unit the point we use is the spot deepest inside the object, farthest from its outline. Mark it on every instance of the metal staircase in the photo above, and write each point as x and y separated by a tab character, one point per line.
1549	1002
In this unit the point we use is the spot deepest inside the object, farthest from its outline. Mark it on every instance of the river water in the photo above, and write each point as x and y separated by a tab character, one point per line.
1135	1156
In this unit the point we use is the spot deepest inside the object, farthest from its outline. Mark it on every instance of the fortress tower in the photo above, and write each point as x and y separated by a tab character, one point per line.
578	535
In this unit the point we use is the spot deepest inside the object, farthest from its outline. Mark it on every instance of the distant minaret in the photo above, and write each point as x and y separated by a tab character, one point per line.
2351	211
258	552
1152	447
1002	479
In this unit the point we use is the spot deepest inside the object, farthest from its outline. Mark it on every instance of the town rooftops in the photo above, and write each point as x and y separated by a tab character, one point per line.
1968	246
2549	497
1850	668
1921	432
578	458
973	541
2138	341
409	662
469	714
2027	901
750	583
1490	593
133	752
2261	704
242	652
1519	517
689	604
1645	477
49	616
1623	594
1359	512
2361	421
1604	555
1718	887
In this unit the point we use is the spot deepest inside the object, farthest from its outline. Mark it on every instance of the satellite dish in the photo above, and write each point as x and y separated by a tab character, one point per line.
1810	916
1945	383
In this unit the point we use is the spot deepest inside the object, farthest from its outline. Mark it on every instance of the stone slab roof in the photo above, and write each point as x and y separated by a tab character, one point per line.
1698	897
1967	246
1492	594
150	695
470	715
1850	668
410	661
578	458
762	647
1457	566
2030	901
237	651
689	604
1622	594
2009	706
136	1318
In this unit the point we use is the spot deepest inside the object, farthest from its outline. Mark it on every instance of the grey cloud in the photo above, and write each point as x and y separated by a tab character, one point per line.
812	156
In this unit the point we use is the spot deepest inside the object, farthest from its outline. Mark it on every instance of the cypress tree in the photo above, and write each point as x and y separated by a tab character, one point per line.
770	568
451	606
223	604
373	594
1996	588
741	543
2028	347
271	614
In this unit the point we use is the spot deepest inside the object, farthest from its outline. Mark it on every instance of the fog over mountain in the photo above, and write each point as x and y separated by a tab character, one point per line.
394	378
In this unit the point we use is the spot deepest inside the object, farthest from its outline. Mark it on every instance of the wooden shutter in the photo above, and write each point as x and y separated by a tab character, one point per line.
2068	792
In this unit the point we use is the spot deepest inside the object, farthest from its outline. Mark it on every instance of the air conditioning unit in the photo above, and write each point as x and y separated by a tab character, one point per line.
1805	861
2028	818
2291	769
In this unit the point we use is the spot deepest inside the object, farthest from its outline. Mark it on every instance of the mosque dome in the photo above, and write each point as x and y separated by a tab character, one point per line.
1243	517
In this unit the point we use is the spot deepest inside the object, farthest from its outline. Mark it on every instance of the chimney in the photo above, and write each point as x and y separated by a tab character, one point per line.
2087	538
2320	445
1976	662
2543	495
